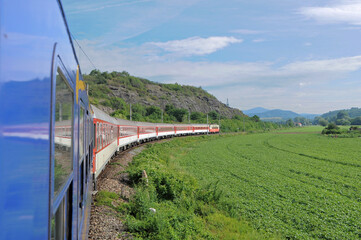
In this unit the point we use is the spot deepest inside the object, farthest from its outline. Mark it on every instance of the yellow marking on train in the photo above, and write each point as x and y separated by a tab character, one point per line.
80	85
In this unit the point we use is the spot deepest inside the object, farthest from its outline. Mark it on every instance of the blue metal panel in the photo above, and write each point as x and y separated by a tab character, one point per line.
28	32
25	123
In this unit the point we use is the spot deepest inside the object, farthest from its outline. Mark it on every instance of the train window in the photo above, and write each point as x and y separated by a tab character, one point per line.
106	134
86	167
89	131
81	133
101	136
63	154
98	137
58	222
61	222
95	137
81	182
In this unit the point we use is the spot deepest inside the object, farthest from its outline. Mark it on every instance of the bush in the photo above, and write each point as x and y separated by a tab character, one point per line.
195	116
331	129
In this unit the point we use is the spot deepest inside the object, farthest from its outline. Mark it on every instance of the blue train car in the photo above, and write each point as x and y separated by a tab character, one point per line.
46	130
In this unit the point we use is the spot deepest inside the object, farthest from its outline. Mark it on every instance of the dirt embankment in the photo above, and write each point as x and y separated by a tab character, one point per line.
105	222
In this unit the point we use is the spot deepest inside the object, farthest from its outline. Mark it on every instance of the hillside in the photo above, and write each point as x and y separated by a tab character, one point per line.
277	115
255	111
283	114
352	113
114	91
341	117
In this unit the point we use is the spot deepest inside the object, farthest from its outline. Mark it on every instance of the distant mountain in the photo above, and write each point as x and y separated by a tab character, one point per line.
277	115
309	116
255	111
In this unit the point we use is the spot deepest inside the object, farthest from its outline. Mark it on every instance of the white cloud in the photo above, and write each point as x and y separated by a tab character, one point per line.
210	74
319	85
325	67
346	12
196	45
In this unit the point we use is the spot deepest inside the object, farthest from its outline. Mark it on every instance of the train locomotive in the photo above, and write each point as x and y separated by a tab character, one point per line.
53	143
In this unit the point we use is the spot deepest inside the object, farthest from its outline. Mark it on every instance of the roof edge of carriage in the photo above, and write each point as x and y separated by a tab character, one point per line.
100	114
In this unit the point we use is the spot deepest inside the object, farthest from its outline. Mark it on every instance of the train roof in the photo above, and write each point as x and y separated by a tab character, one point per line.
124	122
99	114
104	116
200	124
165	124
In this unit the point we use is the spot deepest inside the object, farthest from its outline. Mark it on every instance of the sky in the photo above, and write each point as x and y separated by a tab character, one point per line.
303	56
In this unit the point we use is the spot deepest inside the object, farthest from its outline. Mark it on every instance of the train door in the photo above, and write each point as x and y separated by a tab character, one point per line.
62	155
81	169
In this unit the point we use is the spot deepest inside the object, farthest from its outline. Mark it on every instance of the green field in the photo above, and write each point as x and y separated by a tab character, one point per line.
296	184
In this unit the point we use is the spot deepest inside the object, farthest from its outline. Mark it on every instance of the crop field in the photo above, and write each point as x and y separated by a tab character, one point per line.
297	184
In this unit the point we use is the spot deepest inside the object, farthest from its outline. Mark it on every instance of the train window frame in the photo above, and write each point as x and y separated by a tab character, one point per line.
56	197
65	194
96	133
81	131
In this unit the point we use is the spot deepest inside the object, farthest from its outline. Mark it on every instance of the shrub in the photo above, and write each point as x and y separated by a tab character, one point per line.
331	129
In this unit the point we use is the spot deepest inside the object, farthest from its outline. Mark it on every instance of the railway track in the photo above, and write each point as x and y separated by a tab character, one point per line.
105	222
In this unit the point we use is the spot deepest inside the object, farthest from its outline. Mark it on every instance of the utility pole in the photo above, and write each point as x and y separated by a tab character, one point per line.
227	103
189	116
244	127
60	112
130	111
207	124
163	109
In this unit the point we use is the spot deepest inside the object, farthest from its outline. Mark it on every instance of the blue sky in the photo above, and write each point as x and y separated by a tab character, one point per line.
303	56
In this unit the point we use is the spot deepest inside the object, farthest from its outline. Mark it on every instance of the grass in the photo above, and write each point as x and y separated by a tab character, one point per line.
184	210
106	198
302	186
290	184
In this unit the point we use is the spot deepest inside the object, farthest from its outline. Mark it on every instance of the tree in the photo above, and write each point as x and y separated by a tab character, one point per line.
179	113
94	72
323	122
169	108
342	114
356	121
153	112
304	121
255	118
197	116
139	109
331	129
343	121
315	120
290	123
237	117
213	115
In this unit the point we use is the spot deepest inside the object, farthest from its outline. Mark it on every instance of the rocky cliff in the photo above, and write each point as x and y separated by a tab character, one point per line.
103	87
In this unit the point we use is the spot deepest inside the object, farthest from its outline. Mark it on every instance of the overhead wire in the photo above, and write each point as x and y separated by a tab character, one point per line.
83	51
